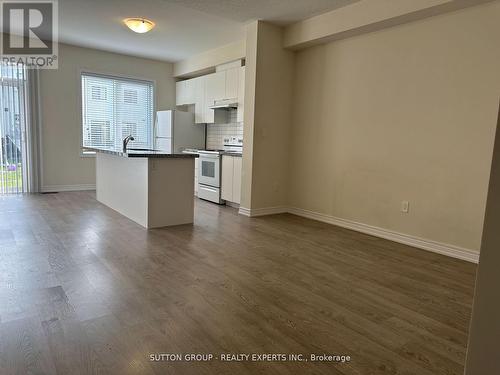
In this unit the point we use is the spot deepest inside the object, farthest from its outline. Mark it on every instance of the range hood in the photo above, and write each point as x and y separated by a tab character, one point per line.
225	104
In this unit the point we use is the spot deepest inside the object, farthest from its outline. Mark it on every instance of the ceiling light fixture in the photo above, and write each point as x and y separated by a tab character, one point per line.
139	25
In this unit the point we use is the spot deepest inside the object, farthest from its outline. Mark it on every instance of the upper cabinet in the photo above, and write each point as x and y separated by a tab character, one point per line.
180	93
199	100
192	92
215	89
231	91
203	91
185	92
225	85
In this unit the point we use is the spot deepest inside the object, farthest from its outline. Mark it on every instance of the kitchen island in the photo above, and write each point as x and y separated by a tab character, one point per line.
152	188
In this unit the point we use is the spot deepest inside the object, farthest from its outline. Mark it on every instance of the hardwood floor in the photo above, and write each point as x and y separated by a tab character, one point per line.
83	290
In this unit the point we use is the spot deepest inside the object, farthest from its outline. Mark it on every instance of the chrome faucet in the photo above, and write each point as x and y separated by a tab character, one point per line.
126	140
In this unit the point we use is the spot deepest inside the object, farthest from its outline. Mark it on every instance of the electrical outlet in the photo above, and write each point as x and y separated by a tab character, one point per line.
405	207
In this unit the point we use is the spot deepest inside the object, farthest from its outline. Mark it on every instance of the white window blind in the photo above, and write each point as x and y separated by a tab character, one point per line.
113	108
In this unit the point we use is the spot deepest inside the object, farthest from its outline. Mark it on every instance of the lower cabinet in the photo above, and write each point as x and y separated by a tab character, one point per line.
237	179
231	178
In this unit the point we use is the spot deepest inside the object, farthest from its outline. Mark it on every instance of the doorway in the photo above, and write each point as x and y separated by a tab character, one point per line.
13	129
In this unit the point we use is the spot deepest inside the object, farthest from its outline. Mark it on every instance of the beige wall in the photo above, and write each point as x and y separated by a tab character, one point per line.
482	351
268	100
62	165
248	119
406	113
365	16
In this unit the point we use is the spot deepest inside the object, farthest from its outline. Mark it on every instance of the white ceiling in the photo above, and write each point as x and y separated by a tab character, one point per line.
277	11
183	27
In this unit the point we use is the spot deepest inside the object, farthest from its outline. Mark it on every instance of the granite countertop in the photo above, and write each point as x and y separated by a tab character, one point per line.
141	153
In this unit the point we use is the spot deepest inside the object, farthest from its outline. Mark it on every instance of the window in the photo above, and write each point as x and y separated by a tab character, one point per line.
99	132
130	96
113	108
98	93
128	128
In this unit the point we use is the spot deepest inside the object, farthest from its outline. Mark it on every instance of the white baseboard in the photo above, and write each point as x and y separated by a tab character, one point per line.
406	239
262	211
57	188
436	247
244	211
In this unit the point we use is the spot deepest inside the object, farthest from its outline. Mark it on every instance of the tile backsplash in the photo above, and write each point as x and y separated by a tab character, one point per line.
217	132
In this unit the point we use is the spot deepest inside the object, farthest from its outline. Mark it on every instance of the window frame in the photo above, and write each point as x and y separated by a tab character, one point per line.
81	72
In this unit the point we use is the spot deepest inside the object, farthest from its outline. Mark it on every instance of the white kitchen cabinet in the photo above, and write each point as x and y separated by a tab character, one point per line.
190	91
215	89
241	94
231	178
203	91
232	80
227	178
180	93
185	92
199	100
237	165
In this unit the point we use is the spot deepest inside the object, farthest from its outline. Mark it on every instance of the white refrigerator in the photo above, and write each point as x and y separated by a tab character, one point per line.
175	130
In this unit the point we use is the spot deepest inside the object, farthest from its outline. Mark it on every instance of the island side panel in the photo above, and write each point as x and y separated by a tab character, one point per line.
171	187
122	184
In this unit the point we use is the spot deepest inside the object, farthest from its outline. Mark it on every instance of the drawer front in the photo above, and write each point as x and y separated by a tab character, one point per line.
209	193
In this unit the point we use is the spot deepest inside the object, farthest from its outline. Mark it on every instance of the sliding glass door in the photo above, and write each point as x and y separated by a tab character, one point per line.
13	126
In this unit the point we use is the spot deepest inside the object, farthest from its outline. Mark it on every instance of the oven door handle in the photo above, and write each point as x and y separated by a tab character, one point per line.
209	189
